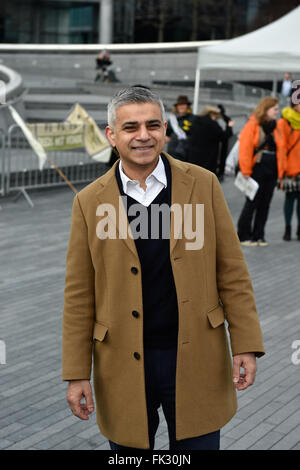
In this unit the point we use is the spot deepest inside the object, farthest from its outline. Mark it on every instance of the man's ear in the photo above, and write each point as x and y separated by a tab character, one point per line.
109	132
165	126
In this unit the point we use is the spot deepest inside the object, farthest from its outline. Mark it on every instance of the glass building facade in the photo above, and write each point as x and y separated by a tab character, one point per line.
58	22
77	21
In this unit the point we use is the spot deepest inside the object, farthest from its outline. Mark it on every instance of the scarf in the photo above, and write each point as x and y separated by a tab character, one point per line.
181	135
292	117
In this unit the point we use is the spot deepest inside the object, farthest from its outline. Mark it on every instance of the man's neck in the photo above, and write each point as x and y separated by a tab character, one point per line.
138	172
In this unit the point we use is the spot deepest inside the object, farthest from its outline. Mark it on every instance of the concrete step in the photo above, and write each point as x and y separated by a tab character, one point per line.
65	102
40	90
59	115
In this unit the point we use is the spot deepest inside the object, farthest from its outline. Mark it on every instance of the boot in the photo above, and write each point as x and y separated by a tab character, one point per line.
287	234
298	233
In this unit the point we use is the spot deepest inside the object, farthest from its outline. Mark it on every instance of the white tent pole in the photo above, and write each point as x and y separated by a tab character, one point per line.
196	90
274	92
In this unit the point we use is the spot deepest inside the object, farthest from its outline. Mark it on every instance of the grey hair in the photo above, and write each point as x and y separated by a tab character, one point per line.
134	94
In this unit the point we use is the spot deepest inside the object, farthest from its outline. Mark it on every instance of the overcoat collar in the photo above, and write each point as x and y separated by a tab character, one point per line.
182	186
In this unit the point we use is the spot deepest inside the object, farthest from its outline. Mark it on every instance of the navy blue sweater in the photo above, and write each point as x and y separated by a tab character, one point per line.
160	305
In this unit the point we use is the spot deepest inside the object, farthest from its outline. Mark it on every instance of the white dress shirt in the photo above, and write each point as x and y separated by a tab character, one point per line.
155	182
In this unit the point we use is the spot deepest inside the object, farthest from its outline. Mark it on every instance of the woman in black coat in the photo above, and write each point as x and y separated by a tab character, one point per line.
205	138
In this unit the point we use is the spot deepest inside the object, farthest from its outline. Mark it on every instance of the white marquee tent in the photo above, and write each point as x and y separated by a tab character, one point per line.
274	48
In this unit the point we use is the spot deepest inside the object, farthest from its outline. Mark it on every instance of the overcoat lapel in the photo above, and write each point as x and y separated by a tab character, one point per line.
182	186
109	193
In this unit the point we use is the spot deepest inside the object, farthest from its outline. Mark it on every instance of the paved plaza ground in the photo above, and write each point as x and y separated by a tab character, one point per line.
34	413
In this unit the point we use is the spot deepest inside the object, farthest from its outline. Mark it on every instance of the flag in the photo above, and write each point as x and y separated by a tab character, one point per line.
35	145
96	144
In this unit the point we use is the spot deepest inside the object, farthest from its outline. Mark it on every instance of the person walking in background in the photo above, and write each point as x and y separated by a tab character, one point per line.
206	136
257	158
289	164
179	128
224	144
286	87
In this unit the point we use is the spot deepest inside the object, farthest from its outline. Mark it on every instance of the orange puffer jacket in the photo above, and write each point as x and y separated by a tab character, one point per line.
288	155
249	139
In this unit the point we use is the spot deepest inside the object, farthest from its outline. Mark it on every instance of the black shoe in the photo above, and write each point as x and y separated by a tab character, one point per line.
287	234
298	234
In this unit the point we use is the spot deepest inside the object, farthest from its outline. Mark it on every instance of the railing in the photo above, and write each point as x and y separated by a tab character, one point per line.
23	173
2	162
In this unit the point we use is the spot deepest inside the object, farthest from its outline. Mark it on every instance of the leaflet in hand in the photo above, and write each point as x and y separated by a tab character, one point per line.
247	185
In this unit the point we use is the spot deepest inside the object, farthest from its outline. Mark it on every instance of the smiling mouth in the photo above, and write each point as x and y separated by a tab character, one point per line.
146	147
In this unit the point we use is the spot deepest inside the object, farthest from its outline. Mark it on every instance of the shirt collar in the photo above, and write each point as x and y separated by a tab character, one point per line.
159	173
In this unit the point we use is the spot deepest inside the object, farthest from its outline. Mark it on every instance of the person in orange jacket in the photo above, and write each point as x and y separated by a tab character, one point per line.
289	162
257	158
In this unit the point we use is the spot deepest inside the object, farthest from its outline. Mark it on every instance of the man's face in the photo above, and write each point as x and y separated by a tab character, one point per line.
182	109
139	133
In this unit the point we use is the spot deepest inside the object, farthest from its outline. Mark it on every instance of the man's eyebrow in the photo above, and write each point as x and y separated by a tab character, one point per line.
134	123
129	123
153	121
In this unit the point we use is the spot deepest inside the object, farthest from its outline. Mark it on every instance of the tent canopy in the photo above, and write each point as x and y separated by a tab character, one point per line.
275	47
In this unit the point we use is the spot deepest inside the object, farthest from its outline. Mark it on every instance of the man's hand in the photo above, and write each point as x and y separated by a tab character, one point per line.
248	362
77	390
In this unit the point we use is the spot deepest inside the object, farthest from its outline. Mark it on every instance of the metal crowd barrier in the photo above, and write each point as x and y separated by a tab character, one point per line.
23	171
2	162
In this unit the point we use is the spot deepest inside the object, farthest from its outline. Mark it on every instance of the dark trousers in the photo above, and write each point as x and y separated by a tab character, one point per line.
160	374
290	199
253	218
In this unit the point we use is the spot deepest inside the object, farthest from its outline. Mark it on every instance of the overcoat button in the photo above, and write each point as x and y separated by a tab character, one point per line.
134	270
137	356
135	313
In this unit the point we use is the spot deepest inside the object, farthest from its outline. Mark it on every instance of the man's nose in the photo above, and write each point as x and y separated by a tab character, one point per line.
143	133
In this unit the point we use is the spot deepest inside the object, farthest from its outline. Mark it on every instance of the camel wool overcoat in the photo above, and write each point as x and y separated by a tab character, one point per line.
103	286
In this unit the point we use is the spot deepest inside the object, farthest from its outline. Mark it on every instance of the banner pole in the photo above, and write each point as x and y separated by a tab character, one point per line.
62	175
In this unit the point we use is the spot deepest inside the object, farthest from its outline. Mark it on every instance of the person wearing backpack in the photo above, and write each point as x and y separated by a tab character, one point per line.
289	163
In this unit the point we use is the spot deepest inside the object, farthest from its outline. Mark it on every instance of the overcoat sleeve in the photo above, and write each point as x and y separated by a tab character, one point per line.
79	301
234	283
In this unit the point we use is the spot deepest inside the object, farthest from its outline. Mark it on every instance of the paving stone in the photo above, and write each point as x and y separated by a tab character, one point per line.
5	443
267	441
287	425
289	441
225	442
254	421
37	437
11	428
285	412
251	437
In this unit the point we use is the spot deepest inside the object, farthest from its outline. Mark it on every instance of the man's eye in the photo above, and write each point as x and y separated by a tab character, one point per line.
154	126
129	129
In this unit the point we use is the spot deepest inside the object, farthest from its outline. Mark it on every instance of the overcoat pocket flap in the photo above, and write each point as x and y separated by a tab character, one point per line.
99	331
216	316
